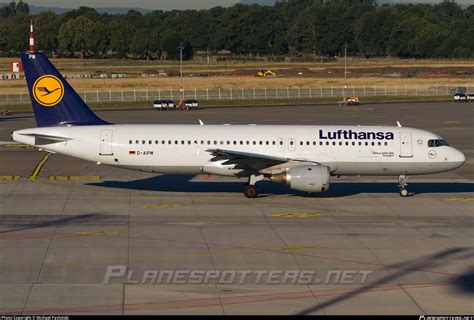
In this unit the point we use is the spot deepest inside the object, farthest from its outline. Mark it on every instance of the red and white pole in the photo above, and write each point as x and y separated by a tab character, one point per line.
32	39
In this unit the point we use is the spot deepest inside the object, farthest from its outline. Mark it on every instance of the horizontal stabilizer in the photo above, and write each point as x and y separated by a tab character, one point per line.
42	139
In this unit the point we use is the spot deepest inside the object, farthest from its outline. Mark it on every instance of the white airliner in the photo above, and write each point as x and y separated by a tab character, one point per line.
303	157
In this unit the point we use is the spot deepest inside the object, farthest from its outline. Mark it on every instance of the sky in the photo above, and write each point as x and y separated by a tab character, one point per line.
146	4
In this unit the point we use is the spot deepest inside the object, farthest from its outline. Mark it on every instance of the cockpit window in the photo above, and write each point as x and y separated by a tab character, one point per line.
437	143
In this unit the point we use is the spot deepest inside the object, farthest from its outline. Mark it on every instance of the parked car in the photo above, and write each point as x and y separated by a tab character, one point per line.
164	105
191	104
460	97
463	97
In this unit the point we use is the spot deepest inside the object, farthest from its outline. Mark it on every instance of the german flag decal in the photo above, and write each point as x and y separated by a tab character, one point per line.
132	153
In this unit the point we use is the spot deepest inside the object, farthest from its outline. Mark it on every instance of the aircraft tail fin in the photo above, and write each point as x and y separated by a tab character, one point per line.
54	101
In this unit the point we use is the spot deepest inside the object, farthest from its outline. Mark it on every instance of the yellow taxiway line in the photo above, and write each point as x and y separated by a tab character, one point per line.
37	170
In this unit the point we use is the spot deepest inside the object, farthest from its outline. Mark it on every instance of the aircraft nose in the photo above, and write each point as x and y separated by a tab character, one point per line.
458	158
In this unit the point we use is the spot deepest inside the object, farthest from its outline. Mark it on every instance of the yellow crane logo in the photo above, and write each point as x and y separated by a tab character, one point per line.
48	90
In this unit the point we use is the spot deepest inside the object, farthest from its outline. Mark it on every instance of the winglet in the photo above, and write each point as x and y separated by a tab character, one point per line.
399	124
200	122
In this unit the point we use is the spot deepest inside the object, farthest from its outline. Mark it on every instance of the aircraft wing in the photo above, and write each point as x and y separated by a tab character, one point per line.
249	163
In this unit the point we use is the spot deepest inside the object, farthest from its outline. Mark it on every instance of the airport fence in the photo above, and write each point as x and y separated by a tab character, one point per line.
217	94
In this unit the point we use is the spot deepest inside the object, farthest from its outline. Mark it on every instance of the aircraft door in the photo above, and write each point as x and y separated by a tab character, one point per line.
106	136
406	147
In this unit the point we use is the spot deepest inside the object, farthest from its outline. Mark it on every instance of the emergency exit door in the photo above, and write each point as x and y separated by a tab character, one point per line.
106	136
406	147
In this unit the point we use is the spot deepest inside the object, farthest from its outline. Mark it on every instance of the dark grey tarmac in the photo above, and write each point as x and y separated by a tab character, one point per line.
61	231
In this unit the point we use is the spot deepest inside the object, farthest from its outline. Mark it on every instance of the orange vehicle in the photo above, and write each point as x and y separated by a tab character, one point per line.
351	101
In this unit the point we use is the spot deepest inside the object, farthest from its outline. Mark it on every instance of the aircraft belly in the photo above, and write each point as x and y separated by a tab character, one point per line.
177	169
164	169
368	165
328	161
345	168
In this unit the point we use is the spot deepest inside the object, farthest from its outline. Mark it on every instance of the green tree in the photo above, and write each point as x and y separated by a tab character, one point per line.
74	35
307	26
402	42
252	29
373	31
325	28
18	30
8	10
134	18
98	41
3	35
14	8
462	52
194	24
22	7
447	47
170	43
121	33
87	12
47	26
303	33
140	44
427	40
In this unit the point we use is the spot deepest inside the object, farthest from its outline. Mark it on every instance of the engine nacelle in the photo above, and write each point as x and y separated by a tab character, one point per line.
305	178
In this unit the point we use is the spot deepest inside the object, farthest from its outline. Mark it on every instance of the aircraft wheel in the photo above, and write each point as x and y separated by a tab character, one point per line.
250	191
404	192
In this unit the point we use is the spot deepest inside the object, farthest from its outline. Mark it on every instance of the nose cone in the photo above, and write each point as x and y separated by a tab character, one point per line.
457	158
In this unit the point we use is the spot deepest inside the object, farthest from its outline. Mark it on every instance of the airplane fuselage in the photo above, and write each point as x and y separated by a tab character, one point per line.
182	149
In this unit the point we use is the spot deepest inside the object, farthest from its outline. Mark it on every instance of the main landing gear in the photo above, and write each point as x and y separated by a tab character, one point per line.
250	188
403	184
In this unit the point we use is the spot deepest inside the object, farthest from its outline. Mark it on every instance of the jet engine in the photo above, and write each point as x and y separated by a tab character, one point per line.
310	178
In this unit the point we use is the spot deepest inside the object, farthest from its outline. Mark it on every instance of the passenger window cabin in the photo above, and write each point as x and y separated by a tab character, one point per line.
432	143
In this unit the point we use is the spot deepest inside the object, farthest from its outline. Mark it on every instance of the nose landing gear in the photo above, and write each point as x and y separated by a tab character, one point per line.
403	184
